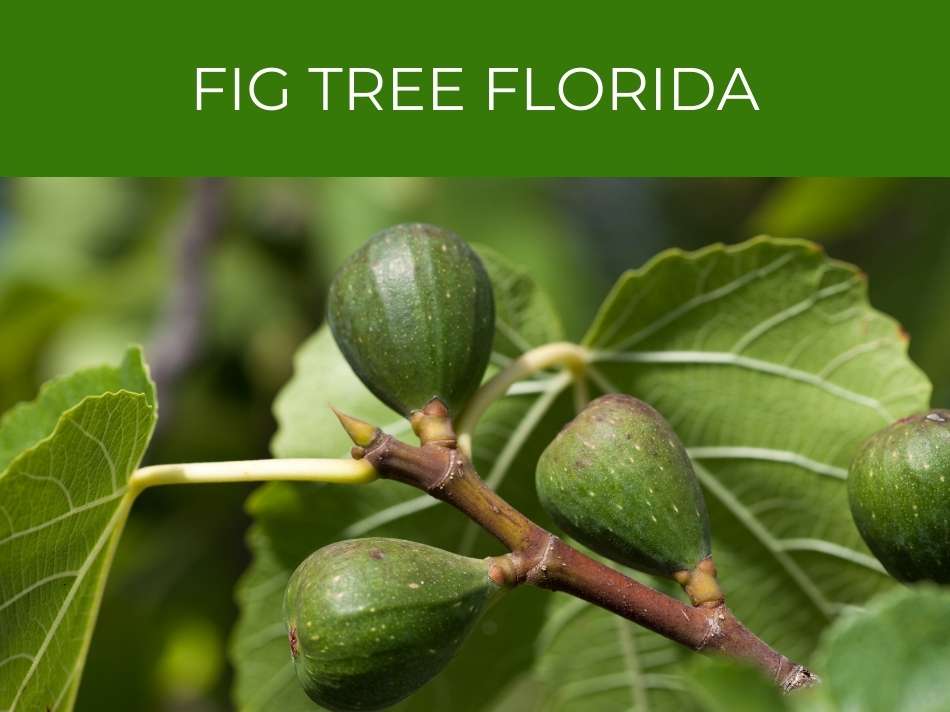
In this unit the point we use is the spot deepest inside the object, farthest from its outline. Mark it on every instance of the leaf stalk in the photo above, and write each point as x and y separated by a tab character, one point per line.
560	353
299	470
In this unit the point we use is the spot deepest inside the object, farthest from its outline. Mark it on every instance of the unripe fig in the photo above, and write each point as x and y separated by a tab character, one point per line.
372	620
899	489
413	313
618	479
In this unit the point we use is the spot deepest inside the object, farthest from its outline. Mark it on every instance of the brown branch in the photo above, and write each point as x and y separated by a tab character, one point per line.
540	558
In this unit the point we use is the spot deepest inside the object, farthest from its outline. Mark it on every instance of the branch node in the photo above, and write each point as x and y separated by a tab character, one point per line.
433	425
454	468
713	630
540	564
505	570
701	585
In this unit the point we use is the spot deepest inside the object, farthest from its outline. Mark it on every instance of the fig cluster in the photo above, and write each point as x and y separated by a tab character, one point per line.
369	621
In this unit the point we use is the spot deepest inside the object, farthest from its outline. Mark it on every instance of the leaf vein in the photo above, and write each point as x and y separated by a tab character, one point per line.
57	481
771	544
102	447
703	299
726	452
832	549
726	358
67	602
118	494
38	584
766	325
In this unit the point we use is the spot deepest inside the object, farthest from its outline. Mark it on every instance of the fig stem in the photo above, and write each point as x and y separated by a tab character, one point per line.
559	353
300	470
432	424
541	559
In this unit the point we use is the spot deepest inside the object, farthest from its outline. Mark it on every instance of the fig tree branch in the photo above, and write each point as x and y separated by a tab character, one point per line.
542	559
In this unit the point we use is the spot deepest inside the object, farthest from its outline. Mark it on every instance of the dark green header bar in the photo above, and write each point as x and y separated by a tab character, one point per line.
494	89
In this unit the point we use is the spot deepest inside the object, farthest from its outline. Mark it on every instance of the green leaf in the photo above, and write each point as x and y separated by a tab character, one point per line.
293	520
771	365
524	315
64	497
892	656
768	360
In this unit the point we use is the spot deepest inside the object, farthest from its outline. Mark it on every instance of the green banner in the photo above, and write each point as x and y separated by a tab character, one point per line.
495	88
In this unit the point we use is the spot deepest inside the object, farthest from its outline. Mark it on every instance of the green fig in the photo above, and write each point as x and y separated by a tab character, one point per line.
899	490
618	479
372	620
413	313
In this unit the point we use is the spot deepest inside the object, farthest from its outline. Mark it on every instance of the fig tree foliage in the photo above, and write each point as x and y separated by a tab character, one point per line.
765	358
738	347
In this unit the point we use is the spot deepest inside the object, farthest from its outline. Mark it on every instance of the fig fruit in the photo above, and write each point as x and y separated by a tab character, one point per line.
618	479
413	313
372	620
899	490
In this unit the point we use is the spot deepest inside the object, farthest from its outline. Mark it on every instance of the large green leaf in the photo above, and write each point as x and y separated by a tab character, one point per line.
65	461
771	365
768	360
293	520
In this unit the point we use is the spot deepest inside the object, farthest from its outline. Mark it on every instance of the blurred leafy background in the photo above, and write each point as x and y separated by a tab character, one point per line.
223	279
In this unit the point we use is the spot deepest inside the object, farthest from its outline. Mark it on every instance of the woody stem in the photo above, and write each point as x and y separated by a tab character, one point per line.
541	559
